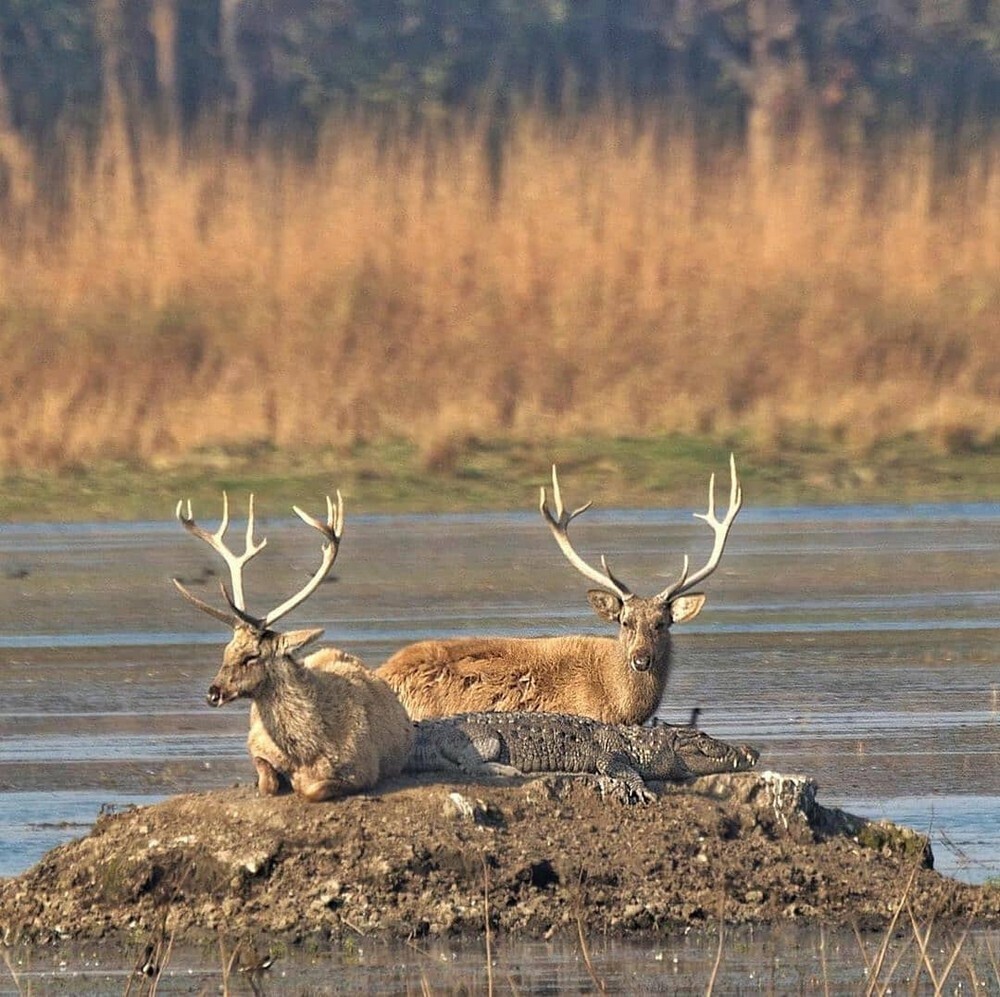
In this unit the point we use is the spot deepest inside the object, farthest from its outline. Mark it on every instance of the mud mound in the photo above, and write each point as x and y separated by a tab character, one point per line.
414	859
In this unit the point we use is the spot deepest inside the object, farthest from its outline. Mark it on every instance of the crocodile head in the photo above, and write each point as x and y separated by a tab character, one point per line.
685	753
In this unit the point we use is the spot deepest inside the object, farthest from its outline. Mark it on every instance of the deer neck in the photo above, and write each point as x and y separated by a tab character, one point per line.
636	695
289	709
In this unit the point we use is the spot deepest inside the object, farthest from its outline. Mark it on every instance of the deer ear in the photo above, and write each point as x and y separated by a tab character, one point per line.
687	607
607	605
295	640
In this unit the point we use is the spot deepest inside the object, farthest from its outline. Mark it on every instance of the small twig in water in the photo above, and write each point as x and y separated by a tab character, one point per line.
994	961
886	986
10	969
354	927
862	948
923	939
410	943
949	965
822	961
584	948
875	967
151	962
227	964
486	918
718	955
164	959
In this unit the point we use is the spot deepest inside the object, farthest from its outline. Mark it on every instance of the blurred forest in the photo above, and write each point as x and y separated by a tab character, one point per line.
751	67
440	217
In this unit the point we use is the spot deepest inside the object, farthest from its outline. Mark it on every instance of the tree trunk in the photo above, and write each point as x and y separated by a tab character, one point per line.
16	160
778	81
118	156
113	126
239	73
163	29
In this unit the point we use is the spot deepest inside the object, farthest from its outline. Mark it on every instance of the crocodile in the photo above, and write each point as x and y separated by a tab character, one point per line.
622	756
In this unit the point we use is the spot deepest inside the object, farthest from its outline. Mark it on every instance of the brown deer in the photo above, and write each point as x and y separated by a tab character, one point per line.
325	725
614	681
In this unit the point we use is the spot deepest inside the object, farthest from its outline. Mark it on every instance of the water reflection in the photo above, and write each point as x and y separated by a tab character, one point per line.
787	959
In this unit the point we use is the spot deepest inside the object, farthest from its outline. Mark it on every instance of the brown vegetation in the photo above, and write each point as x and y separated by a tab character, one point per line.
611	278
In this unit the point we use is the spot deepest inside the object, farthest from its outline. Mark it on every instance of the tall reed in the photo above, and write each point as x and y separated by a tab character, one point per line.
611	277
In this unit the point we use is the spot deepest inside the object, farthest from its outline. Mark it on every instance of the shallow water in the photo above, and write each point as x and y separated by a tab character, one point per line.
857	645
784	960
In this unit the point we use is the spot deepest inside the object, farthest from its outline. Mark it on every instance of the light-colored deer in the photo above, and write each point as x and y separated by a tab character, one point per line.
326	725
614	681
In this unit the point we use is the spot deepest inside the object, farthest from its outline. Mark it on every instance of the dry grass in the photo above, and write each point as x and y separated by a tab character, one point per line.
882	976
616	281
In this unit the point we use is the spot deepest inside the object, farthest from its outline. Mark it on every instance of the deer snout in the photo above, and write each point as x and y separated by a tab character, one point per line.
641	662
216	697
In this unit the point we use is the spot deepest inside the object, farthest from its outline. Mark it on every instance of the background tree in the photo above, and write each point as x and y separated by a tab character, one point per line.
761	66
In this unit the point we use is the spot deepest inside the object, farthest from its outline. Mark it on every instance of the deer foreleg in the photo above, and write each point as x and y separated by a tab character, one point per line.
319	789
269	780
320	783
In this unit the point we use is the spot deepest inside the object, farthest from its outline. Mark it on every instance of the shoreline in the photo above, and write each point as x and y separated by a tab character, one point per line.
749	848
504	476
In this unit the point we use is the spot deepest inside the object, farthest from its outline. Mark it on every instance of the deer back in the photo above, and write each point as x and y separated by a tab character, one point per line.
581	675
614	681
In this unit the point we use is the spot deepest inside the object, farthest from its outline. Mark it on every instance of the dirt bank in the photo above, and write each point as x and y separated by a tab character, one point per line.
412	861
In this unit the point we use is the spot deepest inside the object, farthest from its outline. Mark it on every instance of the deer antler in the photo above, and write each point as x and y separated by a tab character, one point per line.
559	523
235	562
332	529
721	530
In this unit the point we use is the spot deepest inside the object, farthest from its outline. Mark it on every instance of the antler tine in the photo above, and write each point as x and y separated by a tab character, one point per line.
720	529
217	542
241	615
557	498
248	542
332	529
229	619
679	585
559	524
619	585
